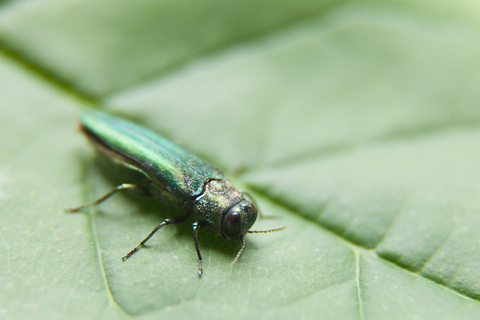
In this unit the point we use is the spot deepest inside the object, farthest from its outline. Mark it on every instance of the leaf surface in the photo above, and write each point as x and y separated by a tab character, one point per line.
355	123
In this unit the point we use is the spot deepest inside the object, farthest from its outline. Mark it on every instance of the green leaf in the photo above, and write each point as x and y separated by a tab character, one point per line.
355	123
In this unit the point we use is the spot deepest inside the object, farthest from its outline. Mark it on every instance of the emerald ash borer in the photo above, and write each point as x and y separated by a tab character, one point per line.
174	176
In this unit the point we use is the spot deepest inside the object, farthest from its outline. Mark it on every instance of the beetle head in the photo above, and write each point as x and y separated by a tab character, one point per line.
238	220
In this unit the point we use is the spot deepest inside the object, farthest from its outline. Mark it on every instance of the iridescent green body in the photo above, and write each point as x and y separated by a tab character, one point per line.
162	161
173	175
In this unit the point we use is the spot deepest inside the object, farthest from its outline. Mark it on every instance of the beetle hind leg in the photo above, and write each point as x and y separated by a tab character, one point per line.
123	186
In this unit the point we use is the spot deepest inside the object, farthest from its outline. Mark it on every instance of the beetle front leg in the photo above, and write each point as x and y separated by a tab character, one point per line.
197	225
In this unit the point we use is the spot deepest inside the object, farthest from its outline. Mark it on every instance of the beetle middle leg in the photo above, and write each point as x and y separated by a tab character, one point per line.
164	223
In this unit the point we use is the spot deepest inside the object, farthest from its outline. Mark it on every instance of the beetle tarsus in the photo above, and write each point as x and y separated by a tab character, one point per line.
128	255
200	269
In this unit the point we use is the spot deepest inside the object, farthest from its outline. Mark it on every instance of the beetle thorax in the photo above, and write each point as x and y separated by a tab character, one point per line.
218	197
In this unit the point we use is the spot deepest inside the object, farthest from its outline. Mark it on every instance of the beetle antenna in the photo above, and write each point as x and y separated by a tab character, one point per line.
239	252
266	231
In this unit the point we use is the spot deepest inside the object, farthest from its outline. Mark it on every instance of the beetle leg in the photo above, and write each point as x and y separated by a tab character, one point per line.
123	186
164	223
197	225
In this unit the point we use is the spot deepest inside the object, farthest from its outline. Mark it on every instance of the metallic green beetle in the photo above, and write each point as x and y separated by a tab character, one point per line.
174	176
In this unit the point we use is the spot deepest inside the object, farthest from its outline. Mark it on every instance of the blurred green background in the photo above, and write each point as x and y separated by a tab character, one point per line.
355	122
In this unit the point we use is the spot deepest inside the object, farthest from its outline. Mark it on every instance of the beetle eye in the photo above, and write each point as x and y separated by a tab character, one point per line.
232	224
